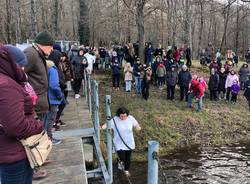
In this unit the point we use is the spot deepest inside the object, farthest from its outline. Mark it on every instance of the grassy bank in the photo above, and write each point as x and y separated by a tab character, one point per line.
175	126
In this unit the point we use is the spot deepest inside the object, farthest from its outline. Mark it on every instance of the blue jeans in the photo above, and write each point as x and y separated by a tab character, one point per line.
128	85
103	63
16	173
190	101
138	81
50	119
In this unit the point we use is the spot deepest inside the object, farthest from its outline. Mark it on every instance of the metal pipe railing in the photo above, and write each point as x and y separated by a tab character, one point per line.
109	137
153	149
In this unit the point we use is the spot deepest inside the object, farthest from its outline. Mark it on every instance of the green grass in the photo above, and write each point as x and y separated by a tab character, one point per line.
175	126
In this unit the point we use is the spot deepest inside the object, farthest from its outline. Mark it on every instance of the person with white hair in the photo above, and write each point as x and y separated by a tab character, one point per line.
184	79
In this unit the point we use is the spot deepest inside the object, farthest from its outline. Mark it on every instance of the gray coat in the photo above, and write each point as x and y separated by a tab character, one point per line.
38	78
244	72
172	78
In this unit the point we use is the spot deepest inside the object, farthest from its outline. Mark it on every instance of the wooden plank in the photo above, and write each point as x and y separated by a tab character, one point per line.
88	132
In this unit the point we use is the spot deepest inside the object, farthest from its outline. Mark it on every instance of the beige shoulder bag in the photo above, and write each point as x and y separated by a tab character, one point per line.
37	148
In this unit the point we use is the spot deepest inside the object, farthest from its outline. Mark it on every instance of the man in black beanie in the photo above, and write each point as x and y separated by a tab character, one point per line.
36	70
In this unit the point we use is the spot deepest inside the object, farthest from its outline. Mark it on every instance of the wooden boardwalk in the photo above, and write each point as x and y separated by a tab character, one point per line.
68	159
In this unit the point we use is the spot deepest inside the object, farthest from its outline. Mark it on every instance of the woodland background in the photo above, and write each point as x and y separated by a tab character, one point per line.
224	23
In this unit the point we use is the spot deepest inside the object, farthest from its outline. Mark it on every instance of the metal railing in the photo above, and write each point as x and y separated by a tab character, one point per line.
90	91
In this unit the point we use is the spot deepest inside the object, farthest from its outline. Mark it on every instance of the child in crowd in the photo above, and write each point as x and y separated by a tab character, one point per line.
161	73
128	76
235	89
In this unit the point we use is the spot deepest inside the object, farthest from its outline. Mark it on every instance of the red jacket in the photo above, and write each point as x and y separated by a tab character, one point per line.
197	88
14	124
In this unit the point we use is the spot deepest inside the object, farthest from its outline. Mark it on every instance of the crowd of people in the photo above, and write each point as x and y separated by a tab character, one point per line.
35	85
171	68
34	89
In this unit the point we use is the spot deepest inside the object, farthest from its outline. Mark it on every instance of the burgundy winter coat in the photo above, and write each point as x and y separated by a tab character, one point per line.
14	124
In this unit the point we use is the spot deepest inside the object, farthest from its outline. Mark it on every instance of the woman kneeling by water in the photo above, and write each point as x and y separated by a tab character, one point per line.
122	125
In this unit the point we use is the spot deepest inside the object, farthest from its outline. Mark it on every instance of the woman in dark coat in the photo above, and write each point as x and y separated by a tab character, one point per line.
244	72
79	63
213	84
247	91
222	81
65	66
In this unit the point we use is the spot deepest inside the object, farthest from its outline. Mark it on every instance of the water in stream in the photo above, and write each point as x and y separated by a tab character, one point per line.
219	165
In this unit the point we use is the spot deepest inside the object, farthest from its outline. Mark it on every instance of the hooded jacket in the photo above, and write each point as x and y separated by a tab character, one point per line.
14	124
55	94
244	72
172	78
55	56
161	70
197	88
230	80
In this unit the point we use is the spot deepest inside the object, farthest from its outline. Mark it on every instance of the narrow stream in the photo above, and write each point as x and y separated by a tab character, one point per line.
210	165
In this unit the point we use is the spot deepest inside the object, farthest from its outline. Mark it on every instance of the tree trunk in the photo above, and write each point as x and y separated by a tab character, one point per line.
55	18
201	27
187	23
162	25
226	19
33	19
237	29
118	21
8	21
18	21
140	27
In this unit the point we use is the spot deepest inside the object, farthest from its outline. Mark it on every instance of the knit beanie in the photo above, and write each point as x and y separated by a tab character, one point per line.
44	38
17	55
57	47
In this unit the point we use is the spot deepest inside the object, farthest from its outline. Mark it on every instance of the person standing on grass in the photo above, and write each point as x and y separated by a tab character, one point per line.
116	74
146	77
196	90
235	89
137	69
247	91
171	79
244	72
161	73
184	79
128	76
231	77
79	63
214	65
222	81
188	56
213	85
123	124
